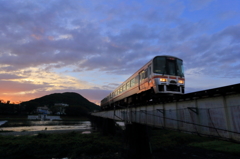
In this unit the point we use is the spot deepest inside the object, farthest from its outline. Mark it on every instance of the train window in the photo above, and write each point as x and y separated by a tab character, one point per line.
146	74
137	79
128	85
180	69
120	90
149	70
171	68
133	82
142	75
159	64
124	88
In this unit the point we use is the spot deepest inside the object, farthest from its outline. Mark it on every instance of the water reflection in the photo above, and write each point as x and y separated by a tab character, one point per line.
20	126
39	123
121	124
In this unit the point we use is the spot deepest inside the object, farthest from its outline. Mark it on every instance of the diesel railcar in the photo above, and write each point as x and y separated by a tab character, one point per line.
163	75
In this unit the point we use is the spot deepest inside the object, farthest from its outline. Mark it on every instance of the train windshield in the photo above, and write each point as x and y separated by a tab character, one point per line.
168	66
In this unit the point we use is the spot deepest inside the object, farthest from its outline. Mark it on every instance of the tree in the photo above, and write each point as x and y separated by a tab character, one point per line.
31	107
55	109
76	111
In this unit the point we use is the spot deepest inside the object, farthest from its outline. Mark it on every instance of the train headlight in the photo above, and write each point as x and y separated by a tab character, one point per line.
181	81
163	79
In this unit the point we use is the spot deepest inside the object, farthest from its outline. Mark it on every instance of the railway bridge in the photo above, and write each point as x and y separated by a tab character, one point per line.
213	112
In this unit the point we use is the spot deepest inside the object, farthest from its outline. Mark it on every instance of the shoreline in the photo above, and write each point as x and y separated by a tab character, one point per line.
32	133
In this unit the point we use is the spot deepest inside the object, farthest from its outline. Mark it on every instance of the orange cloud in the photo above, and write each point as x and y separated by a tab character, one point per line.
17	98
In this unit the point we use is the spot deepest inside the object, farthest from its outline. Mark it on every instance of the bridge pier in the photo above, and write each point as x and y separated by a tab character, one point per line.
137	141
104	125
136	137
108	127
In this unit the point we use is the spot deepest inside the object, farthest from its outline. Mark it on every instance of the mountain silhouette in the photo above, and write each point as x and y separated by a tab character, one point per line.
74	100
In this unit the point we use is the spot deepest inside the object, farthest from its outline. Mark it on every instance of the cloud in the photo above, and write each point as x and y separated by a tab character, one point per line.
199	4
6	76
31	43
228	14
17	87
52	44
221	50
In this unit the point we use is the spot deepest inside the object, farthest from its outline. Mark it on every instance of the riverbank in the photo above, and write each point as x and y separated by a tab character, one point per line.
176	145
33	133
14	117
25	118
165	144
58	145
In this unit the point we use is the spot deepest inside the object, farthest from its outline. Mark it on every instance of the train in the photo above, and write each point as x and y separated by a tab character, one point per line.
161	76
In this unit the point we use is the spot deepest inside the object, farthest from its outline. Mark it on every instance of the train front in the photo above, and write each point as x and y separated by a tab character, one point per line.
168	74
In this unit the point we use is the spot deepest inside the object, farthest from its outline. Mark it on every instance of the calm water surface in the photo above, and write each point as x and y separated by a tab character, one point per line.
19	126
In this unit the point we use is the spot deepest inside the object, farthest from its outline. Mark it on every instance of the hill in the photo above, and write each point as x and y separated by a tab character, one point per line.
74	100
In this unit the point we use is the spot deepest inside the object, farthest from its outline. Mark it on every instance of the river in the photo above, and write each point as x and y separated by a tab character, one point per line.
26	126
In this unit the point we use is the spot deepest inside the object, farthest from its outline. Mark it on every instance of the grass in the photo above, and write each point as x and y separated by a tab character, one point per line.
46	146
74	144
221	146
14	117
167	138
162	139
3	131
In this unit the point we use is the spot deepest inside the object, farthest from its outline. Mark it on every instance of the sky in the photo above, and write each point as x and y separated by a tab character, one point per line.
92	46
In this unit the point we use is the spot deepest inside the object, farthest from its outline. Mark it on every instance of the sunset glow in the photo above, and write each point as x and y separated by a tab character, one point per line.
90	47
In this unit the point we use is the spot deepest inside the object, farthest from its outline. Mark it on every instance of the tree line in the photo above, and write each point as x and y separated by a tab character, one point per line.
8	108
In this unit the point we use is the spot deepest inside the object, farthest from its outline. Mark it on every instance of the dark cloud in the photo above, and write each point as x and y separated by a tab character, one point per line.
13	87
110	86
6	76
217	53
33	39
115	37
231	32
199	4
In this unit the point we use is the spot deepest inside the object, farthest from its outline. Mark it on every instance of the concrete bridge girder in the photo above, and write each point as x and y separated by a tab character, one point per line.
209	115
